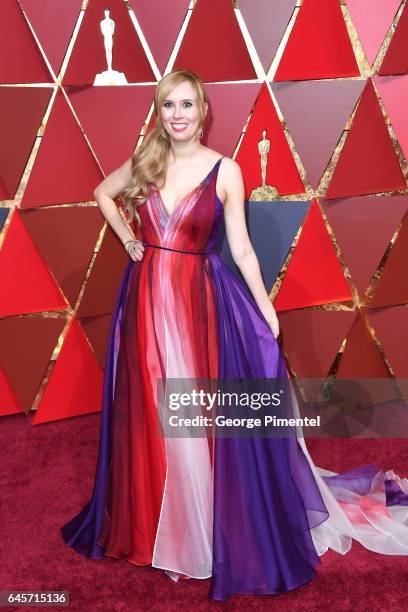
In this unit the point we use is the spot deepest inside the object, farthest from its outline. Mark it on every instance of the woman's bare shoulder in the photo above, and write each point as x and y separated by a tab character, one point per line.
230	172
229	178
230	165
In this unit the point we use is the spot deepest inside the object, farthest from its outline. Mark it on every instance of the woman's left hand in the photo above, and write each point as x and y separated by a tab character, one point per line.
272	320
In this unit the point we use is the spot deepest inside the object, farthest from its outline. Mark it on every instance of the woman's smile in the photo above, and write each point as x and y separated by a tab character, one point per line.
178	127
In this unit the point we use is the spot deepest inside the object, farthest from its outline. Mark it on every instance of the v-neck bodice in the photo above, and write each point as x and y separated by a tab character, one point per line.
192	225
189	193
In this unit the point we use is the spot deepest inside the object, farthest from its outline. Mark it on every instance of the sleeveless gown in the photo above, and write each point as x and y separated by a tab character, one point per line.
254	514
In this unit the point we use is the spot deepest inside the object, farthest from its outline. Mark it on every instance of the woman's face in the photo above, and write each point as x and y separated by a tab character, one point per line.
179	112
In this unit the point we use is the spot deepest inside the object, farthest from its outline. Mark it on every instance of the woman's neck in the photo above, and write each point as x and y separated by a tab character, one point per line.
182	151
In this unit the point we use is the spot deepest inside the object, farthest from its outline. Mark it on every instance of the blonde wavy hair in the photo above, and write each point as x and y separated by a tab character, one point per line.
150	158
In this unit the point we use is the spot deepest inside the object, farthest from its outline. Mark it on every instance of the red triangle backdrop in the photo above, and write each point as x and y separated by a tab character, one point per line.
65	169
396	58
368	162
314	275
281	172
128	55
319	46
213	45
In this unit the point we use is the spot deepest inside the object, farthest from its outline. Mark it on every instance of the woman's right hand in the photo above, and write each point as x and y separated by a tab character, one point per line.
134	249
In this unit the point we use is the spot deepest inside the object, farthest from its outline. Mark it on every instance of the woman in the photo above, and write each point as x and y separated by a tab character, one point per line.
253	513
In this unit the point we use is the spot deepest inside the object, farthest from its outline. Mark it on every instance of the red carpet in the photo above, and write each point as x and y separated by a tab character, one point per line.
47	476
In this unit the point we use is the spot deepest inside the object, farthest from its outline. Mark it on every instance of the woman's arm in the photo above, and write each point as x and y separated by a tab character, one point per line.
104	195
243	254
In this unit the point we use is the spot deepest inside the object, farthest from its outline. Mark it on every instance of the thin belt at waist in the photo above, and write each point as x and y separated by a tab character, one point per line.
158	246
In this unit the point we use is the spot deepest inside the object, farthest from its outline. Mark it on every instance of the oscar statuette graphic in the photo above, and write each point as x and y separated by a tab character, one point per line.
109	76
264	192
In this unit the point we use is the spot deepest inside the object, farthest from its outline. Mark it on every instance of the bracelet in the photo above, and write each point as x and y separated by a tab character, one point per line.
135	242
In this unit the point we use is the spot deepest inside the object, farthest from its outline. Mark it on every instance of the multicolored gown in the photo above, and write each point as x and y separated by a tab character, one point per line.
254	514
